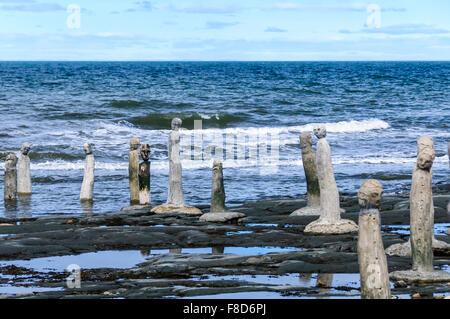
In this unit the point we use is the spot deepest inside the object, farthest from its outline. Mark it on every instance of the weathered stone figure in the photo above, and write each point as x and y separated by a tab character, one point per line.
312	181
175	200
425	142
23	171
421	216
144	176
133	170
87	187
10	190
218	211
372	260
330	221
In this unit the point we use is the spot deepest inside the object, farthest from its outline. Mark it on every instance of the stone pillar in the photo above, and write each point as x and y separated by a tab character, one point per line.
218	189
404	249
133	171
218	212
87	187
23	171
10	189
175	200
420	210
175	194
312	181
144	176
372	260
330	221
421	216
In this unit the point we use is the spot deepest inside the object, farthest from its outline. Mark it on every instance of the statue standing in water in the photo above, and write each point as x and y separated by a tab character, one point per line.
175	200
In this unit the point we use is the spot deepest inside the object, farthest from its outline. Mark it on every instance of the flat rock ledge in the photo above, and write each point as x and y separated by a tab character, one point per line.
342	226
411	276
188	210
404	249
221	217
136	207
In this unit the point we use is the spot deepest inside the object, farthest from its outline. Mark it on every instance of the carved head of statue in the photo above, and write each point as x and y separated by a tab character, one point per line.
320	131
25	148
369	194
176	124
134	143
425	158
145	152
217	165
11	160
305	140
87	148
423	142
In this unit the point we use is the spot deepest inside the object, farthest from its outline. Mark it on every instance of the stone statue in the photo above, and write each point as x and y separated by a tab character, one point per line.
421	216
10	190
425	145
312	181
330	221
144	176
175	200
372	260
87	187
133	170
23	171
218	211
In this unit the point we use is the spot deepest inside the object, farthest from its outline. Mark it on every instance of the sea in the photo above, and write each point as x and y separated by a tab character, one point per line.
247	114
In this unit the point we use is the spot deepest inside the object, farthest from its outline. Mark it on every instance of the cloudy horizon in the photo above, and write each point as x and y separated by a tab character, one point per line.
224	30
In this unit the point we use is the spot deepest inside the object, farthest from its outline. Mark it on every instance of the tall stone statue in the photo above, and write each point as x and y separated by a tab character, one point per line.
424	144
421	216
144	176
330	221
175	200
312	181
133	170
218	212
87	187
23	171
372	260
10	189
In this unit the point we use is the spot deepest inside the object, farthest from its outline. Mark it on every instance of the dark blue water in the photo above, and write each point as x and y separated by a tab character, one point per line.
374	113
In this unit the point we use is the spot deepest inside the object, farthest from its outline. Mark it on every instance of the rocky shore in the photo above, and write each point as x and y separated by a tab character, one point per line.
207	259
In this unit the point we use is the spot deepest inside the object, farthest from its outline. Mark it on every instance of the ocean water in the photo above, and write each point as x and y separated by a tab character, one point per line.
251	116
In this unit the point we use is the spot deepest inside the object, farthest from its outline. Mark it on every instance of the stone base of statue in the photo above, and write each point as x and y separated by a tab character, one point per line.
169	208
221	217
323	226
411	276
404	249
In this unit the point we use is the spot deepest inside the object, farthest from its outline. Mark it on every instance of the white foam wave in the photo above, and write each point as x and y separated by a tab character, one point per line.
339	127
201	164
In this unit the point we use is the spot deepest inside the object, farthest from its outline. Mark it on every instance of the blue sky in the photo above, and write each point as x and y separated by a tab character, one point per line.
226	30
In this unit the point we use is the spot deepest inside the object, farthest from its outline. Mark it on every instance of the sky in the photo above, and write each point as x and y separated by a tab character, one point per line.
223	30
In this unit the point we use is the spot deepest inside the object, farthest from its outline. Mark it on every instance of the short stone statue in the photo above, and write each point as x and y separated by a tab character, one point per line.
330	221
10	189
175	200
23	171
372	260
425	151
421	216
87	187
312	181
133	170
144	176
218	212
